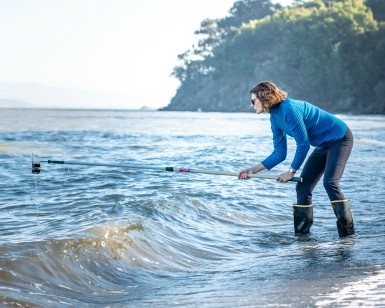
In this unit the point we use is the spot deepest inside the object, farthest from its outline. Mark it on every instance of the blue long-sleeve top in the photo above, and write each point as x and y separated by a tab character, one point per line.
307	124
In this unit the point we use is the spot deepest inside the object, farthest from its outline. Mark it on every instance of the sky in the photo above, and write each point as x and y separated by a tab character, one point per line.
126	47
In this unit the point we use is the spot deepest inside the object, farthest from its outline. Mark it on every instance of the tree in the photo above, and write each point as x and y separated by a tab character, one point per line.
378	8
214	32
329	54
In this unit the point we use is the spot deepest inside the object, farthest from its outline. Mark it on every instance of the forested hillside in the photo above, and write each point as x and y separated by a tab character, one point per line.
328	52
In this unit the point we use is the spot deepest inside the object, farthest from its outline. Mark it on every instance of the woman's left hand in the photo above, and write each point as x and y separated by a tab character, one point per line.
285	177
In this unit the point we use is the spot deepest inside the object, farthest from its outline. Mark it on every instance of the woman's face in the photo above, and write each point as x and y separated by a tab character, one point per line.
256	104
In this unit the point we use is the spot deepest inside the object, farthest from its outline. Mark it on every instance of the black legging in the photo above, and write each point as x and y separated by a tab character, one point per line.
329	161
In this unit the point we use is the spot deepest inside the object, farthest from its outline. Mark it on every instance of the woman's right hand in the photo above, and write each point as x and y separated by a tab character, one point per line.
244	174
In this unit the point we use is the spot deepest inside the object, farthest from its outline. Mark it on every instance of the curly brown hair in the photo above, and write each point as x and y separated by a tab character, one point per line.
269	94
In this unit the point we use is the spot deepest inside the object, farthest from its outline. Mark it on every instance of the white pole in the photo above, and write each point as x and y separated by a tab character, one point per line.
173	169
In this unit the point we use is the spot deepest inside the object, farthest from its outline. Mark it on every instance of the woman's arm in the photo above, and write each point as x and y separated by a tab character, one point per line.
244	174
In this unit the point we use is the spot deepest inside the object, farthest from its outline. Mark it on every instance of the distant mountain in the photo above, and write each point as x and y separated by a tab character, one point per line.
13	95
14	103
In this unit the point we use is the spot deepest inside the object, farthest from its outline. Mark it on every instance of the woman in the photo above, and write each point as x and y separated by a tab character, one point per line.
309	126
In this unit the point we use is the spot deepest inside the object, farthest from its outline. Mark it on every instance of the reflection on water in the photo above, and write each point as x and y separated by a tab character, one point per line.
77	235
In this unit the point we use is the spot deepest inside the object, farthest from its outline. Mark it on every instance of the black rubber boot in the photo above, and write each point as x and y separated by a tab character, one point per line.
303	218
345	223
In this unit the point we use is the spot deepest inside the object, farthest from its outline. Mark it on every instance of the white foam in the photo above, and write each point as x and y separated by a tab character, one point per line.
366	292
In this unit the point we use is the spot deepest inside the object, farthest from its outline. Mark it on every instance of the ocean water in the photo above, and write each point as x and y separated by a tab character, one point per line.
93	236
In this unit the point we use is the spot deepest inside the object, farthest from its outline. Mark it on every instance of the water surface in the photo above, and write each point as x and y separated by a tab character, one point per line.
102	236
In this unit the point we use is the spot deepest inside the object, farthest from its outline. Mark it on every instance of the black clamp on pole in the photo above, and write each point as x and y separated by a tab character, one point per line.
35	166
